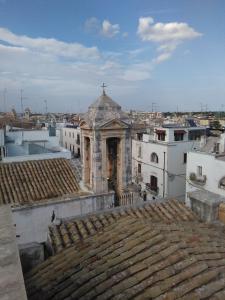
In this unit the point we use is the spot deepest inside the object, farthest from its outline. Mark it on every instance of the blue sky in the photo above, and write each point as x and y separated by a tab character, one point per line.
168	52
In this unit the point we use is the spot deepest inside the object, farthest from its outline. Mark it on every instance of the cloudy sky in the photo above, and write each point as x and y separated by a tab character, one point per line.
171	53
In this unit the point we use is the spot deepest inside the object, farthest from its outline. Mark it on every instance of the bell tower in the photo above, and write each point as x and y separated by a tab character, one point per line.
106	140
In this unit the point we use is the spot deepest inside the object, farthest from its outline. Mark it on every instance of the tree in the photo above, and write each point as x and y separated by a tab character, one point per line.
216	124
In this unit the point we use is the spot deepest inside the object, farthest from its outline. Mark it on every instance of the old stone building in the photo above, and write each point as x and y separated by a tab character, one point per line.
106	140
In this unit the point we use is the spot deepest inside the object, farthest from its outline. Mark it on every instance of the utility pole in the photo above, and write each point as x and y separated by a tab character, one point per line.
46	106
4	99
153	106
21	103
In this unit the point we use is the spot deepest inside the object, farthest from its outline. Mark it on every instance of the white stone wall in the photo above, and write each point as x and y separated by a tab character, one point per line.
175	168
213	168
33	136
2	138
32	221
69	138
62	154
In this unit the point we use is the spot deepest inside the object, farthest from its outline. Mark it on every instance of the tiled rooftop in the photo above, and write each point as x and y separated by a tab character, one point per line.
74	230
173	257
24	183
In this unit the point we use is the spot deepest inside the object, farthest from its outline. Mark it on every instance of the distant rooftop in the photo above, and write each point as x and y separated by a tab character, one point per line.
23	183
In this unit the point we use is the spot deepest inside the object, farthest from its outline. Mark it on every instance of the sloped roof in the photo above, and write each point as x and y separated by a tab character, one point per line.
102	110
23	183
135	258
77	229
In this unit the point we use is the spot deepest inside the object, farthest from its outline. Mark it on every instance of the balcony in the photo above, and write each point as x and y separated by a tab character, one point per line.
152	189
197	179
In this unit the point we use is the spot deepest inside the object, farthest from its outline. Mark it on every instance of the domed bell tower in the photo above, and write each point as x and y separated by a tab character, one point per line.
106	140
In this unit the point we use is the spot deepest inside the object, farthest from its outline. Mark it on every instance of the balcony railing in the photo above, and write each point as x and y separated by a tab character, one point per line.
152	189
198	179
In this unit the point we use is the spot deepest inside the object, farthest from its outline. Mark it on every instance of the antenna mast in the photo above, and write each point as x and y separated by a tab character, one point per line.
46	106
4	99
21	103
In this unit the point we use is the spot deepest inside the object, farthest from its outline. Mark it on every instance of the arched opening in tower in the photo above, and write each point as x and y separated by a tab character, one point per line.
87	158
112	163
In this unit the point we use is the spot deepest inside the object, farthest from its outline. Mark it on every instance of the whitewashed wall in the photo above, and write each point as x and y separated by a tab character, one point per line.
32	221
69	137
62	154
175	168
2	137
34	135
213	168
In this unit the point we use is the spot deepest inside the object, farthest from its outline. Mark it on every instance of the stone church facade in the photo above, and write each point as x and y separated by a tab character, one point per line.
106	151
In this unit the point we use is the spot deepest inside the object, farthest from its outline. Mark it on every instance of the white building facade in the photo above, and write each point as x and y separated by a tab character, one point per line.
2	143
206	170
71	139
159	160
22	145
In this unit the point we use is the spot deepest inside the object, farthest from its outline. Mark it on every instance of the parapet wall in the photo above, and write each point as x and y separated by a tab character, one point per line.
32	221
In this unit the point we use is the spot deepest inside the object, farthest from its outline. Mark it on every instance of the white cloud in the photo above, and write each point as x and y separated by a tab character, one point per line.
49	46
44	73
164	32
92	25
137	72
162	57
109	30
166	35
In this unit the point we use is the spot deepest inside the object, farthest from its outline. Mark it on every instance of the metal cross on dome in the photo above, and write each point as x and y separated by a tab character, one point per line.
103	88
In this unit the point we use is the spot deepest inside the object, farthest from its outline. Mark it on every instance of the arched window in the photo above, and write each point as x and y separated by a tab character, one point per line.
154	157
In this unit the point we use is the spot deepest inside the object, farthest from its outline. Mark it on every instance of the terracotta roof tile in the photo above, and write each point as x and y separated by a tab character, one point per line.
91	224
135	258
23	183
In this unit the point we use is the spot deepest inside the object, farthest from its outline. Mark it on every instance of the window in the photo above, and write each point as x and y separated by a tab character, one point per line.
139	152
73	135
65	133
217	147
161	136
185	158
154	183
139	168
199	170
139	136
78	139
69	134
66	145
154	158
194	135
178	136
